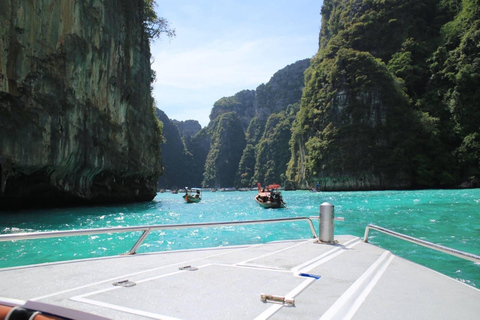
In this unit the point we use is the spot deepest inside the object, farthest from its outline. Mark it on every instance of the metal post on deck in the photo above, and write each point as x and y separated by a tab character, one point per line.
326	226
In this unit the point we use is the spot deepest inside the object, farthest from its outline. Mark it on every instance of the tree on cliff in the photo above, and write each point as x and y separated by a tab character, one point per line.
154	25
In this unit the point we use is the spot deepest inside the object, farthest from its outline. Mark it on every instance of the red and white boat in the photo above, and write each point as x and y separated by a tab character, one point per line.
269	197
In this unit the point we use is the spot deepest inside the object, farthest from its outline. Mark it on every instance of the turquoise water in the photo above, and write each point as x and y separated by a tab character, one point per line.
447	217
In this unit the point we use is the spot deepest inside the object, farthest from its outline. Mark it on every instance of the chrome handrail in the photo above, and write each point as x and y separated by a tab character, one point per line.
427	244
146	230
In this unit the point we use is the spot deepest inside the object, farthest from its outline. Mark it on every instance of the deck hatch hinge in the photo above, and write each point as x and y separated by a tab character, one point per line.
189	268
271	298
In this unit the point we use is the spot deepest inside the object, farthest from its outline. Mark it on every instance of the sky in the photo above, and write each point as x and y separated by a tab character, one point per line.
226	46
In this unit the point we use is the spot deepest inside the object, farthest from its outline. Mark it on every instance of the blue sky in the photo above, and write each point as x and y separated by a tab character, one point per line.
223	47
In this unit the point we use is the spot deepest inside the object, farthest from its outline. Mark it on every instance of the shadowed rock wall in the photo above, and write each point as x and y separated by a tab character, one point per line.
76	118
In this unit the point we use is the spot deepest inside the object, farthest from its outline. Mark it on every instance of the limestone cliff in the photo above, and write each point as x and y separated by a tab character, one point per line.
242	103
188	127
226	147
254	108
76	118
179	166
391	98
284	88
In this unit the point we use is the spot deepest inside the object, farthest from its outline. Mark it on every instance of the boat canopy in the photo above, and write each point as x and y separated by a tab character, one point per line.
273	186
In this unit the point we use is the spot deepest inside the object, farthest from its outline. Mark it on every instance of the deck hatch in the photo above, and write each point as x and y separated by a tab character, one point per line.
204	294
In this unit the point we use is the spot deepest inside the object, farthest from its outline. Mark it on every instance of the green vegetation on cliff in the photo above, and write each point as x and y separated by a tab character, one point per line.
389	98
453	93
273	154
388	102
242	103
227	144
246	167
265	115
178	162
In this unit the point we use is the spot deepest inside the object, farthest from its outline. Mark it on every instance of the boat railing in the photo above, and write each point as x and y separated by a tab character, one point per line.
427	244
146	230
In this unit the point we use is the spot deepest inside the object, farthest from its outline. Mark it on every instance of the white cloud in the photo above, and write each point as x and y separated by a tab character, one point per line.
223	62
210	65
224	47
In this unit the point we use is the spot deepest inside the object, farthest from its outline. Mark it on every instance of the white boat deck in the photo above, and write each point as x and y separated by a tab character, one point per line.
350	280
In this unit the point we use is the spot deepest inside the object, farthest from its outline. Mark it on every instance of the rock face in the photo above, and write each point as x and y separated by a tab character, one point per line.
272	104
226	147
391	97
76	119
188	127
242	103
357	126
283	89
179	166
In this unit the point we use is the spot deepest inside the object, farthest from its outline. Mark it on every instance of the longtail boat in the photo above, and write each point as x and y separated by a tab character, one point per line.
269	197
192	195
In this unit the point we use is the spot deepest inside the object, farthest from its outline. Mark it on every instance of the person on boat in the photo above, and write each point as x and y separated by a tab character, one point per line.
198	194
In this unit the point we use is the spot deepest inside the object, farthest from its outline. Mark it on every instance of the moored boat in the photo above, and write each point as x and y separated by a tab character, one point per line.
192	195
270	197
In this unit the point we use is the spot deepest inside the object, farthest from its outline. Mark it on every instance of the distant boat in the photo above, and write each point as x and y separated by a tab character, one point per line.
316	189
192	195
228	189
269	197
